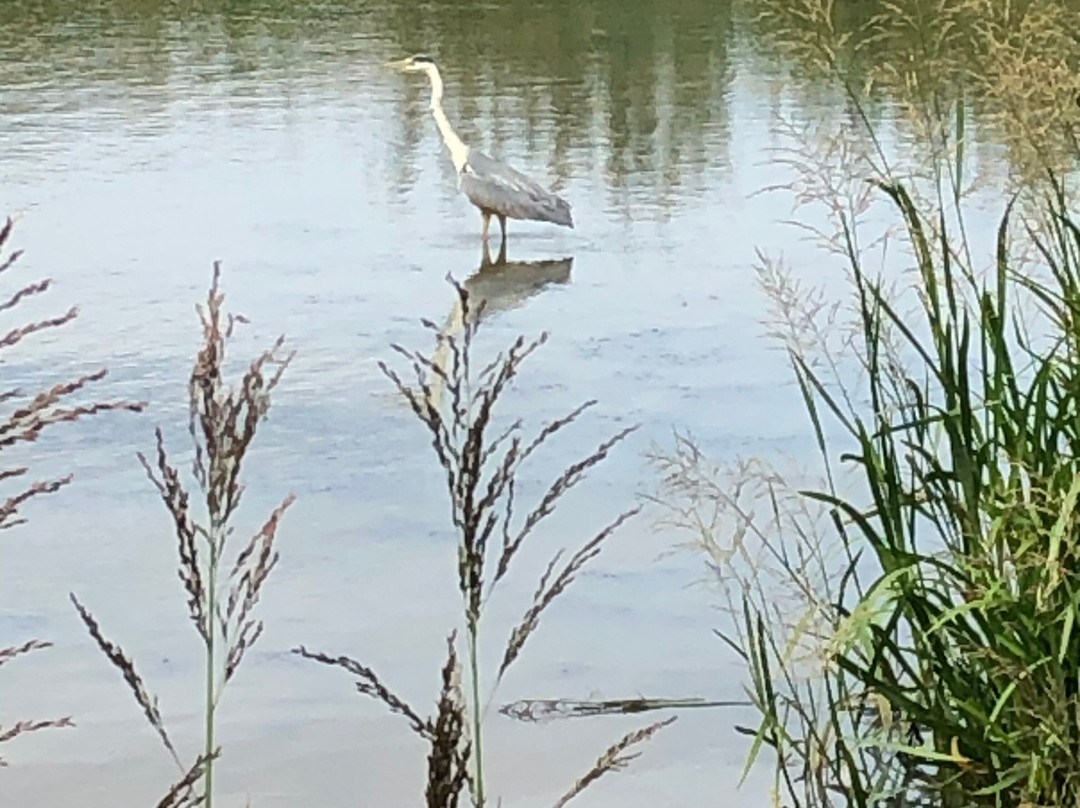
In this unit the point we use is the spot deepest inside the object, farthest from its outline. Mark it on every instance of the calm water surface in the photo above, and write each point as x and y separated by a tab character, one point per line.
141	141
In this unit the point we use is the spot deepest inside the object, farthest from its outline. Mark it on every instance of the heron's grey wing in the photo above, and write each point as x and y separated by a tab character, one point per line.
496	187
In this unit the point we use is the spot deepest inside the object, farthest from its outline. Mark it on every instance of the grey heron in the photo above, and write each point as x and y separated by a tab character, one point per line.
494	187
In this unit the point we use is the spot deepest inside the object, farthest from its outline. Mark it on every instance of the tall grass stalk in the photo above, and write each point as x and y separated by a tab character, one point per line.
908	622
221	600
482	464
26	418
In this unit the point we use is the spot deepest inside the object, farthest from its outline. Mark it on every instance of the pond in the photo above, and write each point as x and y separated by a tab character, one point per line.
140	141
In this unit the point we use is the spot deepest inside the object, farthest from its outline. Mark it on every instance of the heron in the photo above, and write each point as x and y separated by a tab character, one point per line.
494	187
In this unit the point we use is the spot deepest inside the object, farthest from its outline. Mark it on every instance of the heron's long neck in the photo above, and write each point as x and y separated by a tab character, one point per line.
459	152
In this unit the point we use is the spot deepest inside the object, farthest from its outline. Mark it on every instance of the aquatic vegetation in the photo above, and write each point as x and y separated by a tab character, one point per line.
482	466
907	612
448	761
1010	67
908	622
27	417
907	619
221	594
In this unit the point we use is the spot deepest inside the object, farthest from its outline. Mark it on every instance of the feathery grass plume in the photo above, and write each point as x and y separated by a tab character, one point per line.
926	64
183	793
221	598
548	590
448	760
481	476
616	757
135	682
23	727
27	416
369	684
8	654
457	403
908	622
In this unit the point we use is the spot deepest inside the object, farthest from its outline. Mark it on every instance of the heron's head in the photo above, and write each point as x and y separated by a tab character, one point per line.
420	63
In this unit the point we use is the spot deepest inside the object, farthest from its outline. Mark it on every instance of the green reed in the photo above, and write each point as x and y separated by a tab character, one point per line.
909	620
933	656
962	639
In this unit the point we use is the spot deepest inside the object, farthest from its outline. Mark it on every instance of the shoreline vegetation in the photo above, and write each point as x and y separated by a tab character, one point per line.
481	457
906	608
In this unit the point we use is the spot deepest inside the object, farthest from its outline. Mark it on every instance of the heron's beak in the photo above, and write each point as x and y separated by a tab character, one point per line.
397	65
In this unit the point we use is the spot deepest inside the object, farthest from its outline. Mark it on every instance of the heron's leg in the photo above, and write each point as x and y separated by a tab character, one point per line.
502	227
486	219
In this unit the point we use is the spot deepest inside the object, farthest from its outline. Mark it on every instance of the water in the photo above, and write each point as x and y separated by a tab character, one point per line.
141	141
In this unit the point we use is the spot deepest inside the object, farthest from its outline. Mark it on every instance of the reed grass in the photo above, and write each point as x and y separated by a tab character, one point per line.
27	417
615	757
908	618
449	748
221	593
457	403
965	633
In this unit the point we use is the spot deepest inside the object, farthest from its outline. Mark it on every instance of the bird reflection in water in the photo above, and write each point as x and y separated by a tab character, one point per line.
497	286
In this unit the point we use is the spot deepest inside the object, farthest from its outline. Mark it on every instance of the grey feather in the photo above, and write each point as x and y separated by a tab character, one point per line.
496	188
